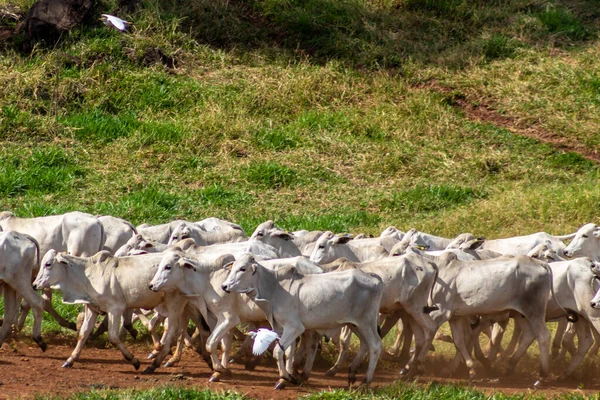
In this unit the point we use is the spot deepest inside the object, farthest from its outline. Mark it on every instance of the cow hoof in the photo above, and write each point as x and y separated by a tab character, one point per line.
133	333
215	377
72	326
331	372
136	363
148	370
539	384
294	379
303	377
43	346
151	356
170	364
68	364
281	384
351	380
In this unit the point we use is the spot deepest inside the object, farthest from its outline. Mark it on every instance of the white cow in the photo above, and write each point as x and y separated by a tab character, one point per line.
474	288
203	238
428	241
586	243
407	286
217	224
137	243
76	233
299	243
514	246
294	303
19	260
105	283
117	231
259	249
159	233
330	247
184	273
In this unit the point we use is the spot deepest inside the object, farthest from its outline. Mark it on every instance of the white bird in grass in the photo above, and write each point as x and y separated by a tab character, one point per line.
262	340
111	20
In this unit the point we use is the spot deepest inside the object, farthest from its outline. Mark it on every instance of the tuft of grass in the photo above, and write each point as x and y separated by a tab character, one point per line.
97	126
219	196
269	174
561	21
498	46
47	169
427	198
162	393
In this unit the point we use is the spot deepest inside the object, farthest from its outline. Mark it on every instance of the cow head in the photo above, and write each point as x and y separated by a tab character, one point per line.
268	230
324	250
242	277
182	231
585	243
460	240
52	271
595	303
169	275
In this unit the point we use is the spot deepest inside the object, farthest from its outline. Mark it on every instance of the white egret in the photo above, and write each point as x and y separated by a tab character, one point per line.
262	340
116	22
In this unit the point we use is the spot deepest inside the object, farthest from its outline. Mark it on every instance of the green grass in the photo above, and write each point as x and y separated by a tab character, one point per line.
164	393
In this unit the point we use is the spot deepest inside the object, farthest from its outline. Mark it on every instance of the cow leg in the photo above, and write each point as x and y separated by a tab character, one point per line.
10	312
372	344
345	338
103	327
460	343
558	338
585	341
128	323
37	303
475	334
225	322
47	296
25	307
288	338
87	327
399	335
496	339
427	328
175	306
407	333
311	346
180	342
510	349
594	350
387	325
114	325
153	324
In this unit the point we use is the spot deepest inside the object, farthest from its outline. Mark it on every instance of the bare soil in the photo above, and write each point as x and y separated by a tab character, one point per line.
25	371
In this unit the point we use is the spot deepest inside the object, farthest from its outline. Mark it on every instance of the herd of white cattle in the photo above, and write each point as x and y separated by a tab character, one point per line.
305	286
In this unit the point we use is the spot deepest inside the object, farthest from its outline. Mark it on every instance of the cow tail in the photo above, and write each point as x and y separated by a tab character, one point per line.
433	307
571	315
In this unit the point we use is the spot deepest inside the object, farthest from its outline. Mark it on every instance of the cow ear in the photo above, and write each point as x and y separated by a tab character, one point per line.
187	263
283	235
342	239
596	232
228	265
103	255
472	244
60	257
254	267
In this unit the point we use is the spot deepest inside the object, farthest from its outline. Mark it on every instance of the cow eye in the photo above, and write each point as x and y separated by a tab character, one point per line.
584	236
259	234
168	267
322	246
243	269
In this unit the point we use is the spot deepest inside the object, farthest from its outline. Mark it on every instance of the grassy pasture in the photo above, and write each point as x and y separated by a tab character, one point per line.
315	114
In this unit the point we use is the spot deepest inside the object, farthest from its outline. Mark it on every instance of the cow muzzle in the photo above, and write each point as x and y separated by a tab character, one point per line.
566	253
225	288
35	287
594	304
151	287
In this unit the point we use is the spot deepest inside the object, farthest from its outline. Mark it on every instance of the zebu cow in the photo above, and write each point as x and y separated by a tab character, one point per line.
586	243
117	231
216	224
105	283
76	233
513	246
203	238
428	241
159	233
475	288
184	273
294	303
259	249
137	243
19	260
330	247
407	286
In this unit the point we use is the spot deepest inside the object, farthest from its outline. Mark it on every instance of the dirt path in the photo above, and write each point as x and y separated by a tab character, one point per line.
483	111
26	371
